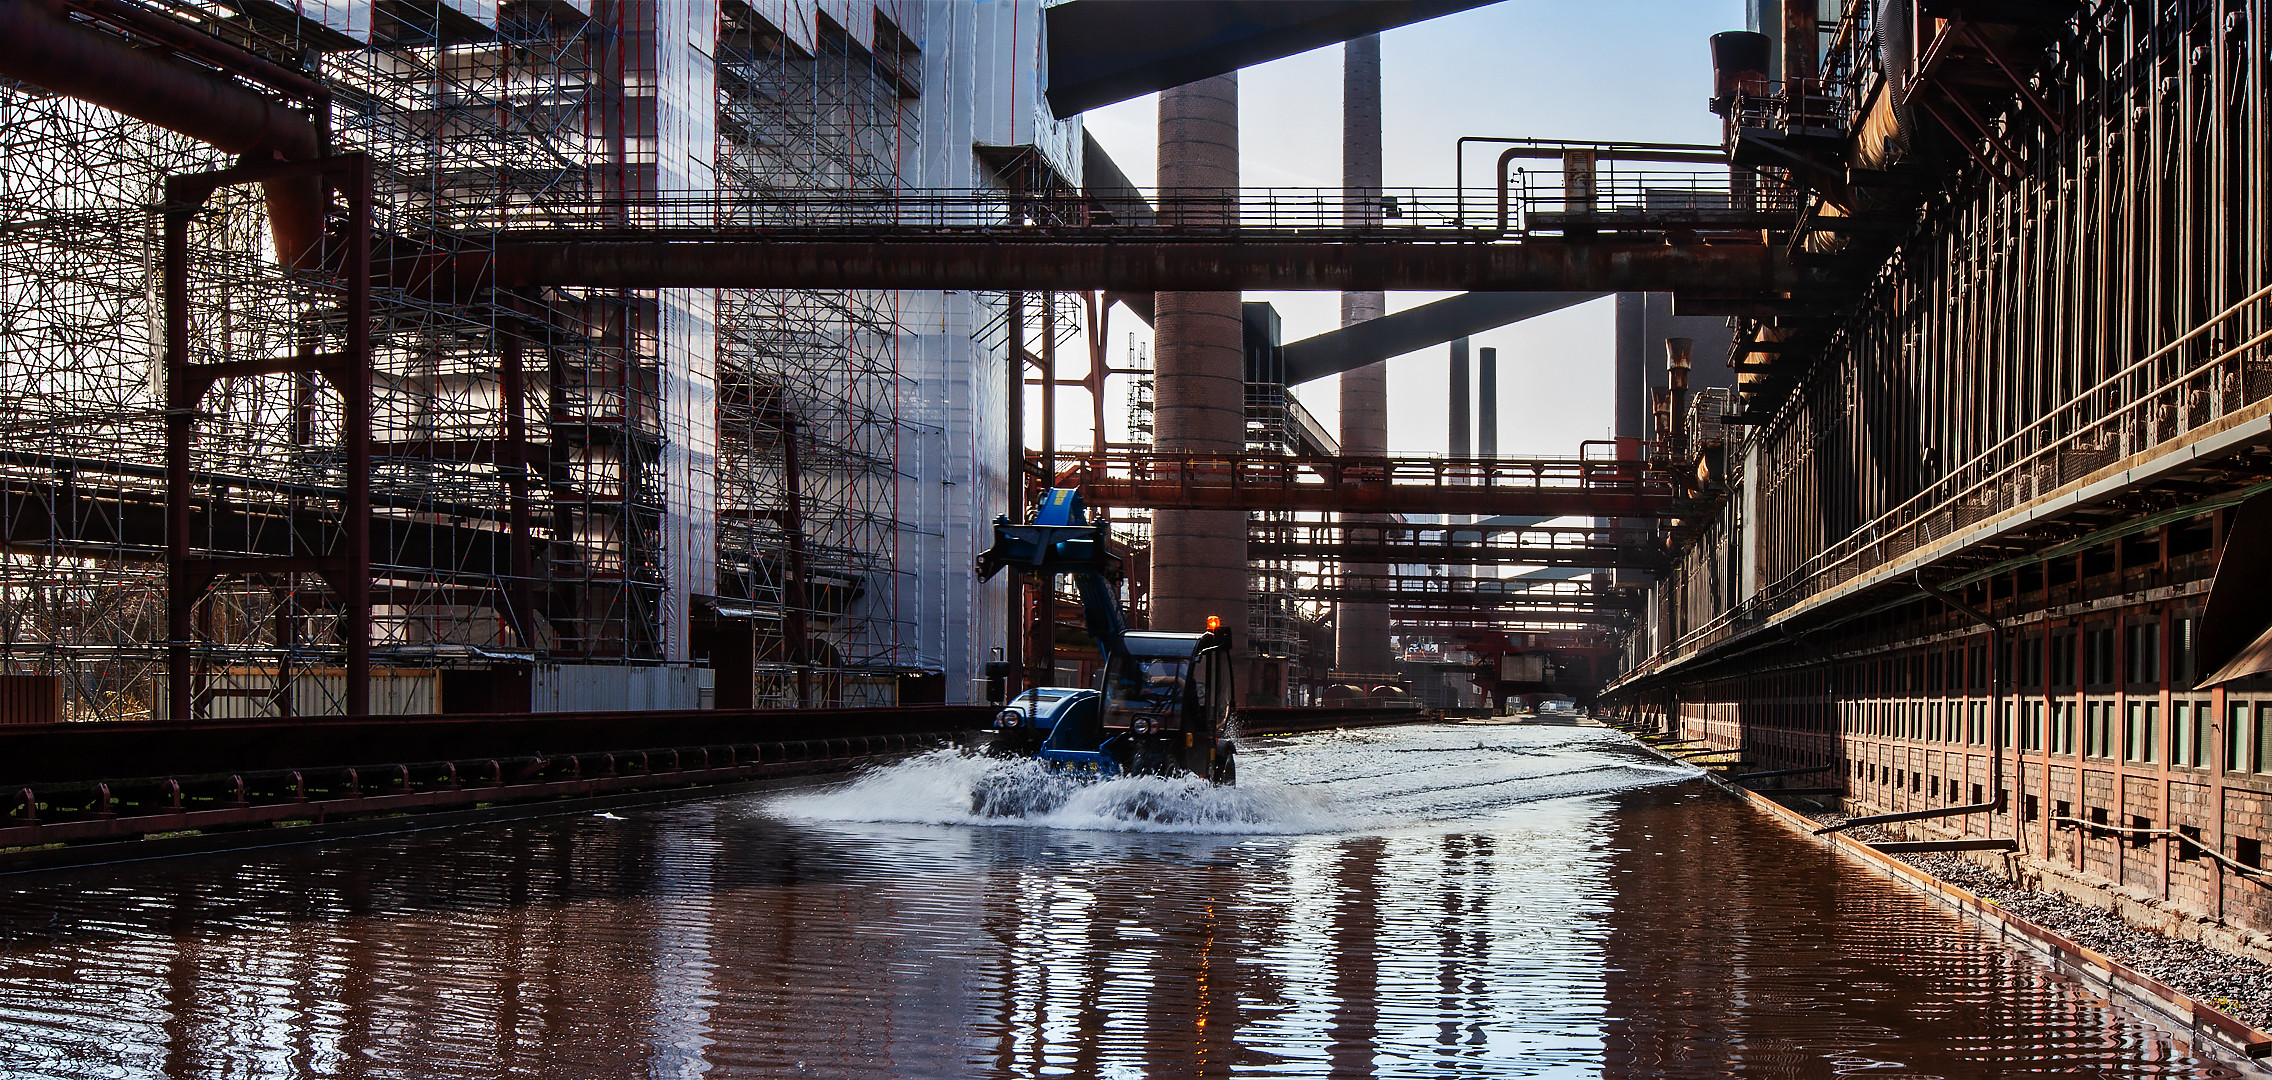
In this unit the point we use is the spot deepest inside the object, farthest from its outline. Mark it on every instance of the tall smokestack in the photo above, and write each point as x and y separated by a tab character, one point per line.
1360	631
1487	404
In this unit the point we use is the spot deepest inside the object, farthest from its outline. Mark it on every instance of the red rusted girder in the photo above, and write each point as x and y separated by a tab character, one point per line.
915	259
348	568
1544	487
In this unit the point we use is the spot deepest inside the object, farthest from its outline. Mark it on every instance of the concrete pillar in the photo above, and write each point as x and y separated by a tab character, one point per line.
1462	414
1462	442
1198	348
1632	384
1361	630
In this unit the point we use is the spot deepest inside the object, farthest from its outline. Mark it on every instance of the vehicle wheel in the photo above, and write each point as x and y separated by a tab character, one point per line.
1226	771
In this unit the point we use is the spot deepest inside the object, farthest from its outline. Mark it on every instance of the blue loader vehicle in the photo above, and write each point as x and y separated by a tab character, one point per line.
1162	706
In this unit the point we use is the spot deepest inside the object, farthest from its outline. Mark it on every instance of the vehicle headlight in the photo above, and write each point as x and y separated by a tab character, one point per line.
1142	725
1007	718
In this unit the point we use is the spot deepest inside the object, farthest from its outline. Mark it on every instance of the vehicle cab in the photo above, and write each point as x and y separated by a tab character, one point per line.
1166	699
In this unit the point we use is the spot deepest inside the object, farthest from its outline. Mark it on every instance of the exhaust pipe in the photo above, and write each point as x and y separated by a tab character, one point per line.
40	46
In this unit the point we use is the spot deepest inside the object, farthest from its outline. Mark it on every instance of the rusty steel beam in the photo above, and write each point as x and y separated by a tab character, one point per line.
915	259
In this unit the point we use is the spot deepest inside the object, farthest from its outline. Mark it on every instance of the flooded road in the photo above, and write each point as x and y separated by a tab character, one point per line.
1487	901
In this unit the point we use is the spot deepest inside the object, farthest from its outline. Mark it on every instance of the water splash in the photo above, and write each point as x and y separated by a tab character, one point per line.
956	788
1337	782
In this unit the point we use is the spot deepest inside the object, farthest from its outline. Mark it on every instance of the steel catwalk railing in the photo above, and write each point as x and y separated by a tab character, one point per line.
1540	201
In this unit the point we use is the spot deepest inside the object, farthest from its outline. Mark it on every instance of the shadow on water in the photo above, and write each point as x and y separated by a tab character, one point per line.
1455	900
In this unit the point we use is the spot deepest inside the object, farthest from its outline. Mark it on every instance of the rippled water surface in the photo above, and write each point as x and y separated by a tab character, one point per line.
1464	900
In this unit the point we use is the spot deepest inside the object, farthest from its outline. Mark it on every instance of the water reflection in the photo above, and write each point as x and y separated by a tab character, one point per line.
1421	912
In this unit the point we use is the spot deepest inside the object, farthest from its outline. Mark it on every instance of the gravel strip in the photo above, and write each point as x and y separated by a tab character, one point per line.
2238	985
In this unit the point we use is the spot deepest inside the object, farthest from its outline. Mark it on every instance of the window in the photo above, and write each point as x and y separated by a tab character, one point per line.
2063	659
2236	738
2188	852
2063	727
2142	654
1949	785
2031	808
2062	809
2183	664
1916	783
2034	725
1976	731
1935	787
2099	820
2139	722
2139	835
2180	739
2263	762
2098	656
2098	729
2248	852
2189	733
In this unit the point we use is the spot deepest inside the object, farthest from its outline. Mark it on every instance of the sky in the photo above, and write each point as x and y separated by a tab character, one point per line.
1626	70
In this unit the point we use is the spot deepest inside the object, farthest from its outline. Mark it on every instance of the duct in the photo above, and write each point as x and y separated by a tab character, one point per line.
38	45
1414	329
1108	189
1103	51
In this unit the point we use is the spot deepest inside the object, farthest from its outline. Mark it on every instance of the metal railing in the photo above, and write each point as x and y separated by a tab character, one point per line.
1226	470
1609	197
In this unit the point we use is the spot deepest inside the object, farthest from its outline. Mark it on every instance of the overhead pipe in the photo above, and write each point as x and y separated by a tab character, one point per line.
189	41
41	46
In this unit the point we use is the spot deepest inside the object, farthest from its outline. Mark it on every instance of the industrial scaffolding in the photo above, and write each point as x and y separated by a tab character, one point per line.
516	493
808	536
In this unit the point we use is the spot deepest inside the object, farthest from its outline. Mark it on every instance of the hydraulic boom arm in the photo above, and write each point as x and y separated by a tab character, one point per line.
1061	540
